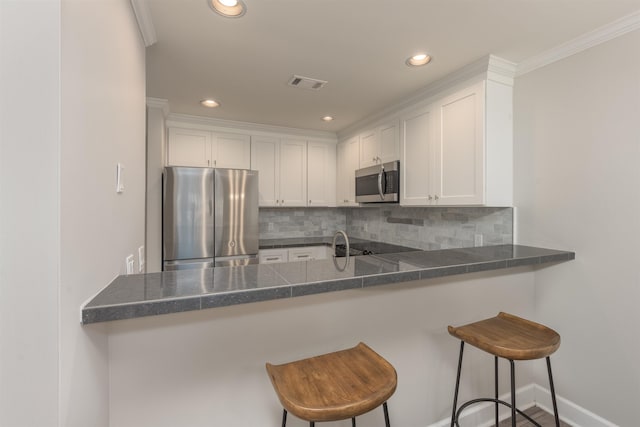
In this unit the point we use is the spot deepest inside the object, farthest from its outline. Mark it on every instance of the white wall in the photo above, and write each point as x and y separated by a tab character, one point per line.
72	105
206	368
103	123
29	191
577	163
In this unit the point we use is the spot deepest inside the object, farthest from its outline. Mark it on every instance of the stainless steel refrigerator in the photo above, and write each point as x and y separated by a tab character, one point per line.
209	217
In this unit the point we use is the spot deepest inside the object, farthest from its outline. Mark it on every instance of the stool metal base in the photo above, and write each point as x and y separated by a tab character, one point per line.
353	420
455	415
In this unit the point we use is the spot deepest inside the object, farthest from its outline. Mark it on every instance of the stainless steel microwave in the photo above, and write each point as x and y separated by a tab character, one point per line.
379	183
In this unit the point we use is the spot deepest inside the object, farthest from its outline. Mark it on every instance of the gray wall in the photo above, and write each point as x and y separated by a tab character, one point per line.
422	228
577	137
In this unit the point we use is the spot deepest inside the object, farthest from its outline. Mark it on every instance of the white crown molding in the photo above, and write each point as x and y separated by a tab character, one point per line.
593	38
145	23
161	104
208	123
489	66
501	70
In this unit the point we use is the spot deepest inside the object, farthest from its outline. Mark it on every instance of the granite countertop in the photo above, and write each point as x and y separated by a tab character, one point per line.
153	294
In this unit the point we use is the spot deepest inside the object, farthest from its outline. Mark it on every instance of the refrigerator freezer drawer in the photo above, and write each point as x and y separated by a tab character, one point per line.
188	264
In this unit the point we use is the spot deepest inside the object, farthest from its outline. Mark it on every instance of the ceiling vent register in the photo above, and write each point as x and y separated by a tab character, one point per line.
306	82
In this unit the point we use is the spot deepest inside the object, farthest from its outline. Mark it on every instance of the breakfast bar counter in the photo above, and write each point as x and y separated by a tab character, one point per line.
154	294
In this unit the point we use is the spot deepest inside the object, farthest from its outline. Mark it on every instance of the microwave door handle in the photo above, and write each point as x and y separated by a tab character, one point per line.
380	184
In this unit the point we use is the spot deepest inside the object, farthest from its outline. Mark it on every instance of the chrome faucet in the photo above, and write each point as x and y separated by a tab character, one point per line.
346	240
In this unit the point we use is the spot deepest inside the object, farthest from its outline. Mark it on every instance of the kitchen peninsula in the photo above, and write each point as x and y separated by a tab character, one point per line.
187	290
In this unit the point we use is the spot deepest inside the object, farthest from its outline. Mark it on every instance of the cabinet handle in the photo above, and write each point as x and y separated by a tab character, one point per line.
274	258
436	197
430	198
208	162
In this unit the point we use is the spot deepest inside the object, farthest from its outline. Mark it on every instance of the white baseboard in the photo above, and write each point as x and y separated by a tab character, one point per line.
571	413
482	414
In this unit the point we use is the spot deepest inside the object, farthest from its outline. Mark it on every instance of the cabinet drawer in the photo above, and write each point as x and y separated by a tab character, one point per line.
270	256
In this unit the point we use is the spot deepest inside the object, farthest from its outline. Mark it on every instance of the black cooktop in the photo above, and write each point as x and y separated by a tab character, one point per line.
371	248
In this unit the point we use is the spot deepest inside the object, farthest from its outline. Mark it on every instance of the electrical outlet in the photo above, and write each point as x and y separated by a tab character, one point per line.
477	240
130	263
141	260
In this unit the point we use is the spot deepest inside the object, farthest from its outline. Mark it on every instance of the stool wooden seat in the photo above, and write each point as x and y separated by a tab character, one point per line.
512	338
509	337
334	386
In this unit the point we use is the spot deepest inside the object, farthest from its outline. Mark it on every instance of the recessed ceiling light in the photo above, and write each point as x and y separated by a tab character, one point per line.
210	103
418	60
327	118
228	8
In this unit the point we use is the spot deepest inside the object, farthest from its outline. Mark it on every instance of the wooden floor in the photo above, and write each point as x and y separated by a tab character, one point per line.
543	418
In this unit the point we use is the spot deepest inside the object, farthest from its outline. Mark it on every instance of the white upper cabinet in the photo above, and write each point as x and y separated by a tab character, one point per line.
190	147
232	151
282	167
265	158
458	150
416	162
369	142
321	174
293	173
379	145
347	163
389	142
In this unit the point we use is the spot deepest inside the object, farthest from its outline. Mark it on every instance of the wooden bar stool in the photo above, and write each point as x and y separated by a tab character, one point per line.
511	338
334	386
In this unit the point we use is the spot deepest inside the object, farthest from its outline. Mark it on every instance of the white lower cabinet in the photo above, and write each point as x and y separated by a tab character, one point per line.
303	253
269	256
457	150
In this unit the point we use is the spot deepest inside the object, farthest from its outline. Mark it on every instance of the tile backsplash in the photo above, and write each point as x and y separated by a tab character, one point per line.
431	228
427	228
277	223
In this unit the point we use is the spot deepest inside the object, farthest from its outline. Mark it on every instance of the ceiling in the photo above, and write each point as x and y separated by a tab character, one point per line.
358	46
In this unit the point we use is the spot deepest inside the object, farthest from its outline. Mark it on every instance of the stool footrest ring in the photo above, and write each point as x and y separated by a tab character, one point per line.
487	399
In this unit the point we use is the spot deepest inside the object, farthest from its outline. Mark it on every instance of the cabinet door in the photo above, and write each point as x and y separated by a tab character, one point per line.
348	156
389	142
231	151
265	158
460	148
188	148
293	173
321	174
417	132
369	152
